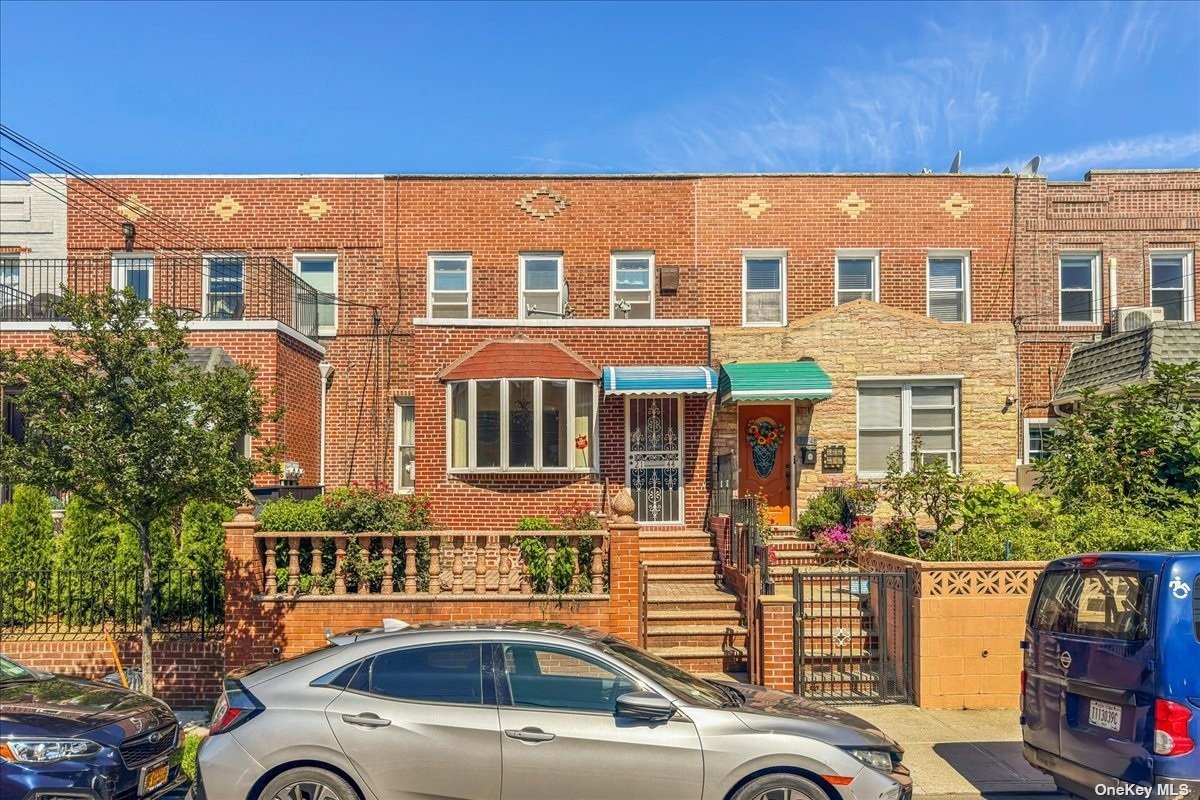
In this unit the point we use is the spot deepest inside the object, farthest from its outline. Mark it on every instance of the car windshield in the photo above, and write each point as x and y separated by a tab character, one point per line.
670	676
11	671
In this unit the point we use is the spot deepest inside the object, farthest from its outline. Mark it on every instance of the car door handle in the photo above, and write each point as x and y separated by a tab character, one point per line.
529	735
367	720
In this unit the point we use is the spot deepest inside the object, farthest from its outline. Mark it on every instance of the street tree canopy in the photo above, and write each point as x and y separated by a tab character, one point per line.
115	415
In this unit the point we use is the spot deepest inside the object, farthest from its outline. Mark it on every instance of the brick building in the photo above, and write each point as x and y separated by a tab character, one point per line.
1085	251
513	345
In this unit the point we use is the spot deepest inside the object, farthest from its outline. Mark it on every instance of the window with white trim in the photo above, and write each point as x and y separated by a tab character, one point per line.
1079	288
522	424
896	418
1037	434
406	441
450	285
856	276
948	287
541	286
764	284
10	287
134	271
319	270
1171	282
224	287
633	286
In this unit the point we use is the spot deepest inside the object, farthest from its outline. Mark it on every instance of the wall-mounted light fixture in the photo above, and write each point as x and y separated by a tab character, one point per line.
129	231
833	457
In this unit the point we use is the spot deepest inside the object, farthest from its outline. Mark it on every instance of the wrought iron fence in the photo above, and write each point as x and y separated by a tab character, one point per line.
186	604
205	287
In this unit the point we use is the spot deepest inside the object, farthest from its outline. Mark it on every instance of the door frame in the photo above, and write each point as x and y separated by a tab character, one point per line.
681	410
791	447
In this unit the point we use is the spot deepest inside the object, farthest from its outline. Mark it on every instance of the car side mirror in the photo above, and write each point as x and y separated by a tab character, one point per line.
645	706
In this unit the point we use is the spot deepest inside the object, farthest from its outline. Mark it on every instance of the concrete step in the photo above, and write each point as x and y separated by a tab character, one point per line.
675	539
653	577
703	659
680	566
675	551
706	602
700	616
738	676
718	636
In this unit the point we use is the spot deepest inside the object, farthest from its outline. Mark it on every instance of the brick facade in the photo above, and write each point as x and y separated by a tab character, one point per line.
1119	216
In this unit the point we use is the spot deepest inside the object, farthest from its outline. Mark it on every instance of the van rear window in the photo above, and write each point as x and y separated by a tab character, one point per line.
1104	604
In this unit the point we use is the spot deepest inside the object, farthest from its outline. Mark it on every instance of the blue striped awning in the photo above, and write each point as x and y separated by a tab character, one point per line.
659	380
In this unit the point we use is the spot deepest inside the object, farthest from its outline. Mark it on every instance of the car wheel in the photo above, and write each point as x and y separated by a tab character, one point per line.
780	787
308	783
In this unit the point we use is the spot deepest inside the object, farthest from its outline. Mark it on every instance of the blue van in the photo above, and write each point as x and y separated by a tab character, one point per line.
1110	694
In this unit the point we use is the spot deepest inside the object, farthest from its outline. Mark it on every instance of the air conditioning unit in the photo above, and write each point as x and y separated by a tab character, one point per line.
1132	319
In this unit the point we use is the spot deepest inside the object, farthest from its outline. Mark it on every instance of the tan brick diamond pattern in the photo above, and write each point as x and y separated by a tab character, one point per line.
133	209
534	203
956	205
226	208
853	205
315	207
754	206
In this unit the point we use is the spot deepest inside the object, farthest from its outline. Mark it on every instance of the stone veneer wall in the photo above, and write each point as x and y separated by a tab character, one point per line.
863	339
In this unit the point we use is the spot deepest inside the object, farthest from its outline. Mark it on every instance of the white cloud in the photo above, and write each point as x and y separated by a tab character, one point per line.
1165	149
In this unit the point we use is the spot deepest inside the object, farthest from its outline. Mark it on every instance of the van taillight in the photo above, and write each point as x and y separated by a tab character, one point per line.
1171	737
1024	681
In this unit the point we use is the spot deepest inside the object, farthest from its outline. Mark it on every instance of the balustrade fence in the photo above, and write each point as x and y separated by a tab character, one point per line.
432	563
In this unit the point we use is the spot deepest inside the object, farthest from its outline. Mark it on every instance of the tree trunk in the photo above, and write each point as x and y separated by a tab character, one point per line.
143	532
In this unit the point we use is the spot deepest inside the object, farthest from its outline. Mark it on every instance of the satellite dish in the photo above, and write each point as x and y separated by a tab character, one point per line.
926	171
1006	171
1032	167
956	164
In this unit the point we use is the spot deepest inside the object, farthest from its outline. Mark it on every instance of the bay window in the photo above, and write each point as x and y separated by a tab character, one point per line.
522	424
897	417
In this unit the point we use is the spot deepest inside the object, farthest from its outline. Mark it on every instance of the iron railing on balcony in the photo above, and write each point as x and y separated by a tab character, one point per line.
198	287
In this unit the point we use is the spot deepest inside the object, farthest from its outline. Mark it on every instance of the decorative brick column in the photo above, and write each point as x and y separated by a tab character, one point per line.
624	579
778	646
244	639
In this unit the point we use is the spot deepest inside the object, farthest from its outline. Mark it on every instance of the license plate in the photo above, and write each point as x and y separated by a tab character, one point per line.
1104	715
153	777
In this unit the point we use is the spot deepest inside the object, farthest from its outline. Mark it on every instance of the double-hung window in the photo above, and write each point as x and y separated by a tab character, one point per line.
134	271
320	272
450	285
949	287
764	283
541	293
406	441
522	424
896	418
1171	285
1079	288
633	286
225	287
856	276
1037	434
10	287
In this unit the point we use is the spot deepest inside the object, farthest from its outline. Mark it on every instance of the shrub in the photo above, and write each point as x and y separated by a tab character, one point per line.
824	511
289	514
89	539
26	554
360	509
580	518
202	540
535	524
836	539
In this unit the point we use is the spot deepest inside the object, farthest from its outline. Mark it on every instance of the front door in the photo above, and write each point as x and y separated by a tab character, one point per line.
765	457
654	458
561	737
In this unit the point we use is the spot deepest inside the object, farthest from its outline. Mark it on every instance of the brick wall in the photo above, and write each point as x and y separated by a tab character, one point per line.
188	673
1122	216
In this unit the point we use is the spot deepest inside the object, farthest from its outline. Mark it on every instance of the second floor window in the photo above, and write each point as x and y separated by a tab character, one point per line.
225	290
450	286
764	296
633	286
1171	283
10	281
947	282
320	272
406	441
1079	291
856	277
541	295
136	272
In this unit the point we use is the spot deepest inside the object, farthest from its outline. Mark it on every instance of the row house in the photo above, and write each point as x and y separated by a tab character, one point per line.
519	346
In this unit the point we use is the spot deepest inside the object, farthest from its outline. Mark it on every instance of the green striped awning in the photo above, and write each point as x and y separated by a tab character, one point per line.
773	380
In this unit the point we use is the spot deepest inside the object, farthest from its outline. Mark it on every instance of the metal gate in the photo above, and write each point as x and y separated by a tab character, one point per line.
654	458
852	636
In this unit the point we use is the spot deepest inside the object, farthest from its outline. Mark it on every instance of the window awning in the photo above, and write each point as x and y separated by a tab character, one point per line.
659	380
774	380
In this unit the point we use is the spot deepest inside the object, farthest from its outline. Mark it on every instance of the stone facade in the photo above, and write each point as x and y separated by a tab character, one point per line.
864	339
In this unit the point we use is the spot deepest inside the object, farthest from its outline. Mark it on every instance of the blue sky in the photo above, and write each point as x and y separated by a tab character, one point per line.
590	87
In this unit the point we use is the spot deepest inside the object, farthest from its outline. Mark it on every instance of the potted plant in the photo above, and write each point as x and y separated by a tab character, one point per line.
861	499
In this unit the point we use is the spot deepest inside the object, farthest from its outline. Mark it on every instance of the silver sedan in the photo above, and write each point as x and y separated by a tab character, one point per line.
525	711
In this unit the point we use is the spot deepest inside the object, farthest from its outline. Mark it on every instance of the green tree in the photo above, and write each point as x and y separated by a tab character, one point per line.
1140	447
116	415
26	552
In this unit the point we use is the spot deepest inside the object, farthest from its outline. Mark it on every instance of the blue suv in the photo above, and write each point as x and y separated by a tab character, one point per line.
1111	685
64	737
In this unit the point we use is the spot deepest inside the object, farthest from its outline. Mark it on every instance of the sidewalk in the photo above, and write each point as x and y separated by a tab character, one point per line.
960	754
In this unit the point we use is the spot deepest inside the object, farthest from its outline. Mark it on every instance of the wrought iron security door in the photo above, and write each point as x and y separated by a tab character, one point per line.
654	458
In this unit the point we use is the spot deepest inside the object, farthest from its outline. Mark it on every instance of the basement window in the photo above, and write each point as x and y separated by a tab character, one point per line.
521	425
